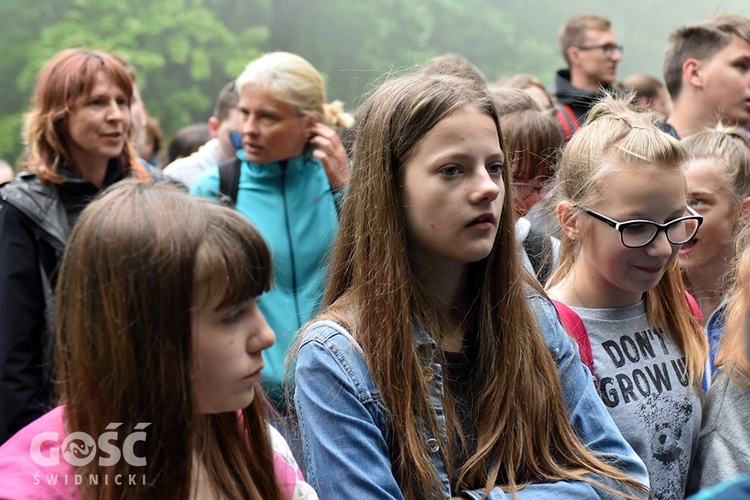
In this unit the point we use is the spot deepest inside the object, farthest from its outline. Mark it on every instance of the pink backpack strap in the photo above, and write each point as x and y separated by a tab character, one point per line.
573	324
694	306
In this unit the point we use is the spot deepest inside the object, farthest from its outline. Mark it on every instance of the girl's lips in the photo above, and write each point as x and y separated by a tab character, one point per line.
483	219
649	270
255	376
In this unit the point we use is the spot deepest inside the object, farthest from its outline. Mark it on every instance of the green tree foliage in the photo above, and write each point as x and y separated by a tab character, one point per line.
182	51
186	50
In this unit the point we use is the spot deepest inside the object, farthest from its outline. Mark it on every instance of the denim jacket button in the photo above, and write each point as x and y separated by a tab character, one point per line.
432	445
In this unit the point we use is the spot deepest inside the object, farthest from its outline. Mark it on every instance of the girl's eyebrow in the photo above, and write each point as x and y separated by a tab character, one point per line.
460	156
677	213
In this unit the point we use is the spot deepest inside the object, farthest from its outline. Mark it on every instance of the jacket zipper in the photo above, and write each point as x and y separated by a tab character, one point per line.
290	242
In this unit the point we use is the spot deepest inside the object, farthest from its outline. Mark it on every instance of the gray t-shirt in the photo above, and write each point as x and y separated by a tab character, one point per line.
643	383
724	449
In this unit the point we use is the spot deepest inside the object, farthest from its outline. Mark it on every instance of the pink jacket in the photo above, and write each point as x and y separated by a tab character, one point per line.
33	467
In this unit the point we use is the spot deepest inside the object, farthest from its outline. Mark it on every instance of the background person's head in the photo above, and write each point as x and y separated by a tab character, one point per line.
226	120
529	84
65	126
705	65
187	141
650	94
590	48
718	183
282	97
532	139
155	306
455	65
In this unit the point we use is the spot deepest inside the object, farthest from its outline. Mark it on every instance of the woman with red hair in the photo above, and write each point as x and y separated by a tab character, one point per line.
78	137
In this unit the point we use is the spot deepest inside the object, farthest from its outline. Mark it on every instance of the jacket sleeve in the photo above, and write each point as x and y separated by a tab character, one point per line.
23	387
206	185
344	444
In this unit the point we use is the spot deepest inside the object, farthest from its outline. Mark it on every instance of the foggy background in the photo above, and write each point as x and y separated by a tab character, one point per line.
186	50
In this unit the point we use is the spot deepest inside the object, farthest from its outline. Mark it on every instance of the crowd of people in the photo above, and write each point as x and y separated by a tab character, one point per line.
464	289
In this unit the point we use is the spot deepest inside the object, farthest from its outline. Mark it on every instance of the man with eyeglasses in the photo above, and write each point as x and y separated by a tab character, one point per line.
590	48
707	73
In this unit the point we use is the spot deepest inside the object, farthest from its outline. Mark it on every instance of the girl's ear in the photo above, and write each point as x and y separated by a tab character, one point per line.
567	215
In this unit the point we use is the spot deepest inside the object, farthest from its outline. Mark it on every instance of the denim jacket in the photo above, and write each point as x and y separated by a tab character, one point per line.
344	424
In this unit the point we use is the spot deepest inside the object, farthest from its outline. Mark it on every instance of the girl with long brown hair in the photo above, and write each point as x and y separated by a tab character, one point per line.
159	342
435	369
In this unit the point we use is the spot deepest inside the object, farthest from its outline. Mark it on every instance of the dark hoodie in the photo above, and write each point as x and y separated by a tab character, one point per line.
581	101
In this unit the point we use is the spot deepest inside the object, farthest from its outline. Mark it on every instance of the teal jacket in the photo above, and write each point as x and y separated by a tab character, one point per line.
292	205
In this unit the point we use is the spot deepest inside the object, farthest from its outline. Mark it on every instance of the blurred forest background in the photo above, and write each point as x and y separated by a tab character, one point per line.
186	50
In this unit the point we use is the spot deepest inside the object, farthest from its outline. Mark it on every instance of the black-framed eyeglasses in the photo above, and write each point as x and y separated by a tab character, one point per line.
524	189
609	48
639	233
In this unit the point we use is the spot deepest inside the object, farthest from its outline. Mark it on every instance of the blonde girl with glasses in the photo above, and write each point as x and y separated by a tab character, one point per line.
624	215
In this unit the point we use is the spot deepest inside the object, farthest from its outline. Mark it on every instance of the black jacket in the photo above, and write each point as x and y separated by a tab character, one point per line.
36	219
33	231
581	101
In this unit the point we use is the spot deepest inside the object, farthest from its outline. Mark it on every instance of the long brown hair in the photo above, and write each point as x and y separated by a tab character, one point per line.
522	427
65	82
617	134
140	259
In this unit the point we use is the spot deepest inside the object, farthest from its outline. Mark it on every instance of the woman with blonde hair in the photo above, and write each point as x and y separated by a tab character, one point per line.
718	181
435	370
624	215
289	176
159	353
724	447
78	135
